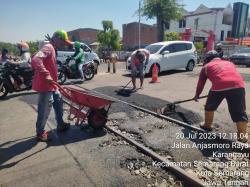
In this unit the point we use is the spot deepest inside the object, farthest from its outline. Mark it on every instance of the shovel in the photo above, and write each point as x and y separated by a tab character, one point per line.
172	106
124	91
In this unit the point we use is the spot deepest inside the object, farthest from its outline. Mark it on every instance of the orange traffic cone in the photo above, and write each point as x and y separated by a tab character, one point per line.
155	75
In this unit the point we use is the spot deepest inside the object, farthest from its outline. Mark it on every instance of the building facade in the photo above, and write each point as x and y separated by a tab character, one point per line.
203	19
130	39
86	35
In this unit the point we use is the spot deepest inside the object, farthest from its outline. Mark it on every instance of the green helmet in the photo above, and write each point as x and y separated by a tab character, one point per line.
77	45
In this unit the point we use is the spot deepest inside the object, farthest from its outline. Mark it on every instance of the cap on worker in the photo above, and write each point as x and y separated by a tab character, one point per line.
63	35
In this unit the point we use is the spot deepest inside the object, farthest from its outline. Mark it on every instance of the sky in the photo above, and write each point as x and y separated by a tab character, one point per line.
30	20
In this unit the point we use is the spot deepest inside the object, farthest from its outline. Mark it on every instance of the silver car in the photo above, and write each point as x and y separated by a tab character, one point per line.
241	57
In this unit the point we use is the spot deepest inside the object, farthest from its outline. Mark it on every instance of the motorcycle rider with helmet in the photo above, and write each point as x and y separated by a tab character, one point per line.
23	64
79	58
219	50
25	60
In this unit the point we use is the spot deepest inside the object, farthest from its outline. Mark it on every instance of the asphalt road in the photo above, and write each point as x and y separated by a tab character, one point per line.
83	158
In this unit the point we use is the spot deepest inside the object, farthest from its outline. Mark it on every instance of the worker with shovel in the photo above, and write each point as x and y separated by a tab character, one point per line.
139	59
226	83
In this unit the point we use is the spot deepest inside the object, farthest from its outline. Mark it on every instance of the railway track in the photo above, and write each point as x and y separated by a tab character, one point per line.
178	171
172	120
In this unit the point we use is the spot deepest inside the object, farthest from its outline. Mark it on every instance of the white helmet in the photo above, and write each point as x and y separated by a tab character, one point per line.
23	46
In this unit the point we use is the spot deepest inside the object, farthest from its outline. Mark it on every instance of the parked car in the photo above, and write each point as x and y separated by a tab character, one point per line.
241	57
170	55
63	54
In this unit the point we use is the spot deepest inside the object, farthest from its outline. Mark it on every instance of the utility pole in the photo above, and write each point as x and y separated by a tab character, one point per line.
139	34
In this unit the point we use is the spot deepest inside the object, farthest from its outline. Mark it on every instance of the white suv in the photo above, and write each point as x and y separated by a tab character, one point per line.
63	54
170	55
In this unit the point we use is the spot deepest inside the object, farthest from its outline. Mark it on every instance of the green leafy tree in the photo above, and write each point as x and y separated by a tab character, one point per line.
164	11
109	38
171	36
107	25
199	45
33	47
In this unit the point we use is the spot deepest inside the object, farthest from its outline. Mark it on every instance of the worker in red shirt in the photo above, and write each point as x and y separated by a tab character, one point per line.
139	59
226	83
45	73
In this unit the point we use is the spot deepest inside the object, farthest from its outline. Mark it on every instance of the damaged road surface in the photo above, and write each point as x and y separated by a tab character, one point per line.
84	157
186	148
73	158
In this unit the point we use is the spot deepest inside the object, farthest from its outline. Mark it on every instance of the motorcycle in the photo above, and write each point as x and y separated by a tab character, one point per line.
69	70
7	81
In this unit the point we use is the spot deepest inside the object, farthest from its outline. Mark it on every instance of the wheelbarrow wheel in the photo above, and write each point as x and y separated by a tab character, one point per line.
97	118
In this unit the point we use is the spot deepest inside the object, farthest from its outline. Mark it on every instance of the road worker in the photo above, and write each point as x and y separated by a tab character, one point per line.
139	60
45	67
226	83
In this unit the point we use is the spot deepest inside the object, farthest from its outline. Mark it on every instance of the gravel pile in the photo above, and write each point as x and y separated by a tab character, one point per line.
115	141
156	178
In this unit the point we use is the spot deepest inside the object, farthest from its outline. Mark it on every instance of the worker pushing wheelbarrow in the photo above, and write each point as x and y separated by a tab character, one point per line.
85	107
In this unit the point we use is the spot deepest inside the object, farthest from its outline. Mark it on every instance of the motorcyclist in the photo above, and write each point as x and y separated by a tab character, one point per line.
4	56
219	50
24	62
79	58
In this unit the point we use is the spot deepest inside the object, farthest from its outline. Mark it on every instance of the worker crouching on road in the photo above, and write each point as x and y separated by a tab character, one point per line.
139	60
45	67
226	83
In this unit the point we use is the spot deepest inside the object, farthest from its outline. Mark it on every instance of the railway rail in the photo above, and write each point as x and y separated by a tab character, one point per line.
178	171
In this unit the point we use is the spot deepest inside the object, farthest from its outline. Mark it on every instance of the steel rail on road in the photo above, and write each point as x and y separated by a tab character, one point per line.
241	147
181	173
190	179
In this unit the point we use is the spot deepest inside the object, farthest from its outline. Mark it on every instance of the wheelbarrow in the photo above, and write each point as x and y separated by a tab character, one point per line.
84	106
171	107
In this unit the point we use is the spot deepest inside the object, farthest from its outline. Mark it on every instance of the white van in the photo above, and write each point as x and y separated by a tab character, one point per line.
170	55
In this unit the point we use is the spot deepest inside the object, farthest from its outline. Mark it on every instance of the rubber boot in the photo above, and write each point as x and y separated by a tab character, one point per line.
242	134
209	117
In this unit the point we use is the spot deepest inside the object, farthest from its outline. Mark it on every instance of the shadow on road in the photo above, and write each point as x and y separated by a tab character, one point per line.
17	94
20	146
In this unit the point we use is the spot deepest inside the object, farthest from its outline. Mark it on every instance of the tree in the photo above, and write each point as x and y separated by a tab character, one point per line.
164	11
109	38
33	47
171	36
107	25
